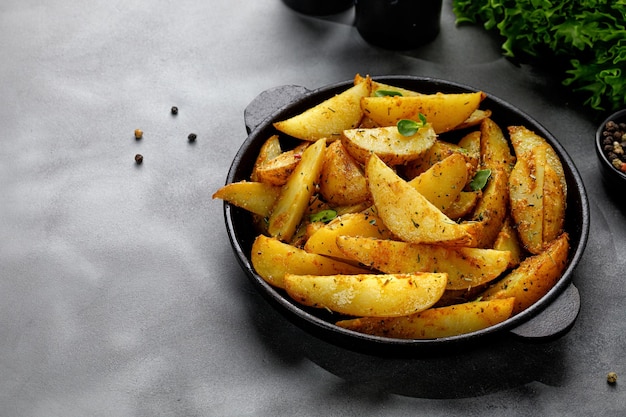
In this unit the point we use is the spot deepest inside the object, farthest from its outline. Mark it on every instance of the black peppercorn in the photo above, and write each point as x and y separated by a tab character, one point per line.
192	137
174	110
138	159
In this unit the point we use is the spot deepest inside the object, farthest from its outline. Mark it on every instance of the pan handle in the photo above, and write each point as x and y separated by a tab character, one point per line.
270	101
554	321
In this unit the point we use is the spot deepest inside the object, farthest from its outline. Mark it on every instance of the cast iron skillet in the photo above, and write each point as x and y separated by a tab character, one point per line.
549	318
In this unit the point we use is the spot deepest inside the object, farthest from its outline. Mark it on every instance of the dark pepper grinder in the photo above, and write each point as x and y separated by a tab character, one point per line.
398	24
319	7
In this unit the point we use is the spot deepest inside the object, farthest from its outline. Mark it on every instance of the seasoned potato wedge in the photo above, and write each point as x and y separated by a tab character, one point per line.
376	86
442	183
538	191
387	142
435	322
508	240
296	193
534	277
407	213
463	205
367	294
490	212
256	197
343	181
466	267
276	171
329	118
437	153
494	148
443	111
475	118
272	259
270	150
367	223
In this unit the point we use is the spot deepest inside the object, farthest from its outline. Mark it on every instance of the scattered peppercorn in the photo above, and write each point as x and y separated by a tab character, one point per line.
192	137
138	159
613	143
174	110
138	133
611	378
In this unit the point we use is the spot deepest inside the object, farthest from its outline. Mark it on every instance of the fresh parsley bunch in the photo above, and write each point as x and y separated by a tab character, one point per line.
589	35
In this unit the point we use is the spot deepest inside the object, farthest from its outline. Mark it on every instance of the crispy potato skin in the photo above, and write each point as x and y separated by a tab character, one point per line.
407	213
436	322
273	259
444	111
534	277
343	181
372	295
328	119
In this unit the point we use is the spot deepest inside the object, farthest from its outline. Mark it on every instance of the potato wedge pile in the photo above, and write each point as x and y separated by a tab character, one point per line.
408	215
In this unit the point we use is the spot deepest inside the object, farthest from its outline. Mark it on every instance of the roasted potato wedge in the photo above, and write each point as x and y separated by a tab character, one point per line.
508	240
495	150
367	294
437	153
436	322
276	171
490	212
270	150
343	181
255	197
366	223
475	118
387	142
463	205
534	277
466	267
296	193
443	182
407	213
272	259
537	189
329	118
443	111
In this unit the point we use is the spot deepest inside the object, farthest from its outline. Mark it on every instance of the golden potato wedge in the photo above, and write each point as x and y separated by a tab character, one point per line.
490	212
527	197
466	267
508	240
272	259
494	148
442	183
534	277
366	223
256	197
296	193
475	118
276	171
407	213
343	181
368	294
436	322
329	118
270	150
436	153
387	142
443	111
538	190
463	205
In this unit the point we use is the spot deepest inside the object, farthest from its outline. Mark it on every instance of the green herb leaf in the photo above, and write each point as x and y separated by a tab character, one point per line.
480	179
387	93
584	38
408	127
323	216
